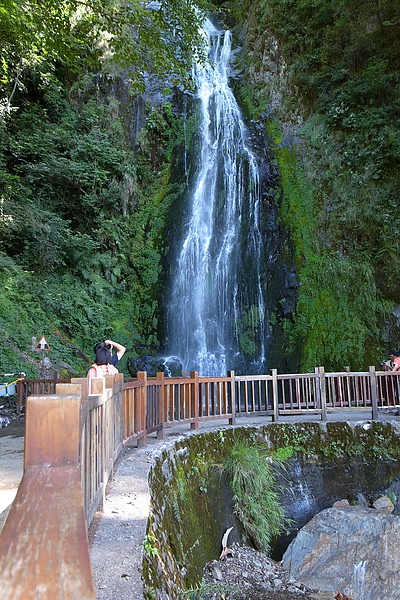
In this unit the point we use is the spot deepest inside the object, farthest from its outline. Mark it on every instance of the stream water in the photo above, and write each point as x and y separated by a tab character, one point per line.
217	309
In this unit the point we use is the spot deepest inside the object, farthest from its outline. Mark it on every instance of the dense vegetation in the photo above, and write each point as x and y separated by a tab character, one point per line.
82	197
251	476
85	192
336	69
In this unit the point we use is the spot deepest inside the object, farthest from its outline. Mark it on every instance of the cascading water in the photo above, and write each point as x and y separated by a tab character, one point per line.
216	313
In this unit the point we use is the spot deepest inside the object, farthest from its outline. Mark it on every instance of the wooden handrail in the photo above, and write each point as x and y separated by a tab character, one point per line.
44	550
71	443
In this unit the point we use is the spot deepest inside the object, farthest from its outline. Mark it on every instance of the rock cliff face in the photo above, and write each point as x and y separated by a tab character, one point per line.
352	550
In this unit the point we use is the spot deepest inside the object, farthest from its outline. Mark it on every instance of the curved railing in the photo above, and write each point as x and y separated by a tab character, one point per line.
153	404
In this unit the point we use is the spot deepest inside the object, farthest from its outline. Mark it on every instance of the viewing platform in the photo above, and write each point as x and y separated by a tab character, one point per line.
73	440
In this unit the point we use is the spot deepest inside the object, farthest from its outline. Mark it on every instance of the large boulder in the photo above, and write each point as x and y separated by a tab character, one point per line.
151	364
171	366
351	549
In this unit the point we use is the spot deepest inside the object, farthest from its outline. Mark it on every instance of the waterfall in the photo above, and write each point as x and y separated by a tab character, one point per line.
217	307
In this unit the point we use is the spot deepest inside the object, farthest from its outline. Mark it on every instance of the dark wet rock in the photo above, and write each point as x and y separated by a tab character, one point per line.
150	364
171	366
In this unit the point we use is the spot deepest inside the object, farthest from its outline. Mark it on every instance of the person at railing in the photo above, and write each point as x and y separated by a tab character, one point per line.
395	359
394	356
105	363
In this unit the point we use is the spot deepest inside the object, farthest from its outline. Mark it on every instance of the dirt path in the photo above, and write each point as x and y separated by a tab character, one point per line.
11	464
117	534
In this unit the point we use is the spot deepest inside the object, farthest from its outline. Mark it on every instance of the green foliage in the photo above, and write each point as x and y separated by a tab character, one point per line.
248	329
304	437
81	213
340	308
81	218
212	590
149	547
283	454
71	314
337	68
379	441
251	476
375	441
34	35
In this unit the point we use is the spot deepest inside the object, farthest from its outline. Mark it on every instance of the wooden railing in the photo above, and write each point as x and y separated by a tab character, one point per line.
72	441
101	435
35	387
152	404
318	393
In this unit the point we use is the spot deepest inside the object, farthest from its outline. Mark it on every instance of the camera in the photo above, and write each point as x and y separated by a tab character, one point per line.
386	365
109	347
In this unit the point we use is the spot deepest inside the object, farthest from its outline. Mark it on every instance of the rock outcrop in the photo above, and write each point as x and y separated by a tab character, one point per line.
352	550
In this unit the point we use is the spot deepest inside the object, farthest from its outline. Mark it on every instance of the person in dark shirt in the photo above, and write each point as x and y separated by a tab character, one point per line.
105	363
119	348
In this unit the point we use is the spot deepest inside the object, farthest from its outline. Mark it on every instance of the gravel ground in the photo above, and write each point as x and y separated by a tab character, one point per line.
116	535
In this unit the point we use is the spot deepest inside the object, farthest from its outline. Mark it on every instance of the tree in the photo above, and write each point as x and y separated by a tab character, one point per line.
162	35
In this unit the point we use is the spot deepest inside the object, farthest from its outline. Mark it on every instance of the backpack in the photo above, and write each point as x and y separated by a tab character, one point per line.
111	370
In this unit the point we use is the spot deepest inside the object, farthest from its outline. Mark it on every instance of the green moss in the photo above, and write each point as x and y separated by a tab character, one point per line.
379	441
251	474
248	328
336	194
305	437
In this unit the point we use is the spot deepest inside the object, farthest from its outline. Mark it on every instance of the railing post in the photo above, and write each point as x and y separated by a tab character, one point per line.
48	416
232	420
20	391
56	377
275	399
317	402
161	408
374	398
194	409
322	392
142	397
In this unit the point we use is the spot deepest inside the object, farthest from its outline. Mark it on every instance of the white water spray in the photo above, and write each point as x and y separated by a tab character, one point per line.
216	314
